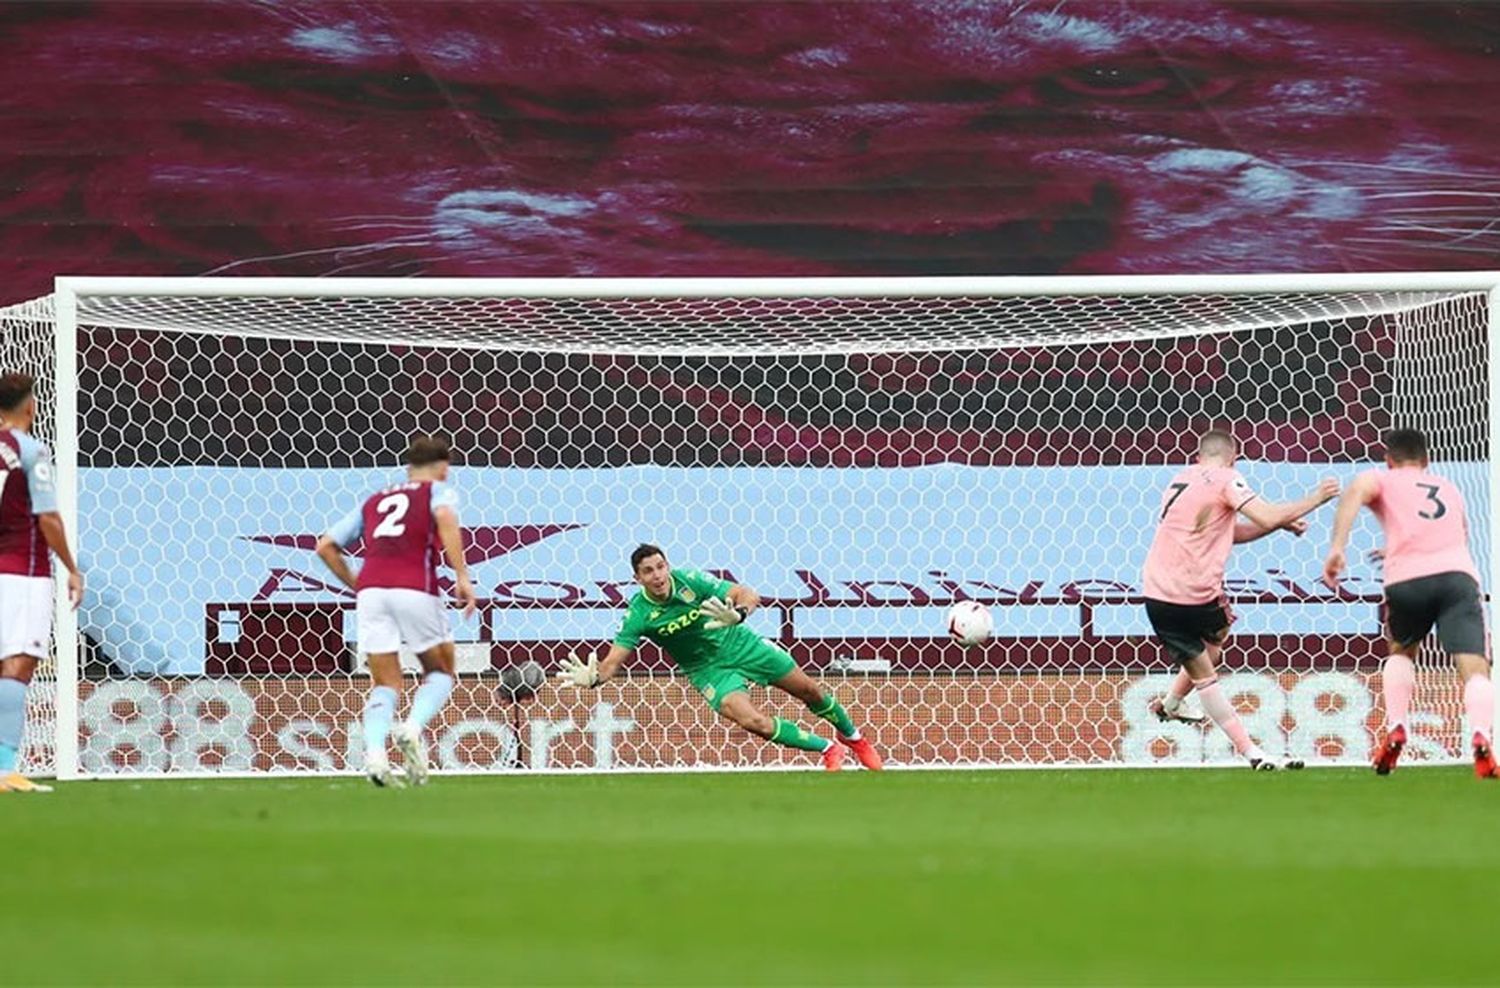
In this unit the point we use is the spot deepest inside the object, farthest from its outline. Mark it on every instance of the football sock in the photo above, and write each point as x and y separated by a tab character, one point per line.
1479	702
12	722
431	695
833	712
1216	705
1398	679
1181	686
379	709
793	736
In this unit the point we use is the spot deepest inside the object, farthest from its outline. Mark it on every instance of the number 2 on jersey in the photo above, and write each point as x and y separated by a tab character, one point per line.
393	508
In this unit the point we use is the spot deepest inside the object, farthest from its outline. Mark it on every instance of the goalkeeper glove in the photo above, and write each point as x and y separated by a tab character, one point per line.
579	672
722	614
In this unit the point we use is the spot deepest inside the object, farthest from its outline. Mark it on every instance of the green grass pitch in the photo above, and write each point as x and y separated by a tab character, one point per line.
1109	877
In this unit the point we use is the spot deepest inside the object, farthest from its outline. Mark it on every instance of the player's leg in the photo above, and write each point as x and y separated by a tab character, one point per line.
1169	706
1195	636
431	697
1398	681
380	641
15	676
425	626
25	630
1479	704
1165	621
825	705
1408	618
725	692
380	711
1460	624
1203	670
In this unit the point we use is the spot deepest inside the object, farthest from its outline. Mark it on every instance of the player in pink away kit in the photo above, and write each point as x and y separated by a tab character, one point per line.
29	526
1184	577
1430	579
398	601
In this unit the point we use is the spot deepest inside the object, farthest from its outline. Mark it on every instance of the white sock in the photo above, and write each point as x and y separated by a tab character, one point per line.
380	709
430	698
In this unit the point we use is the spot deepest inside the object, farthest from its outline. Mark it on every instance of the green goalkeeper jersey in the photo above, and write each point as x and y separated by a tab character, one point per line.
676	624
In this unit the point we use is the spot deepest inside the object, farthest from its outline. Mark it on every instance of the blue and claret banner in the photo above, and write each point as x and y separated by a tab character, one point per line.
196	569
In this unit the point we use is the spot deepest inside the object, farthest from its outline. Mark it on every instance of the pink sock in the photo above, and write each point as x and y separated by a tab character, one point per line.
1479	701
1217	707
1178	691
1397	681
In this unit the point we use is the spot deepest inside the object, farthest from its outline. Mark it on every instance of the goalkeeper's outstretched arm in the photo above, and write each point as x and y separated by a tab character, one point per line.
737	606
589	671
612	662
742	596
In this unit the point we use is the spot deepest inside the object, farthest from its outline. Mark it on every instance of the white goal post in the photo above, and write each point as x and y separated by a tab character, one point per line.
863	451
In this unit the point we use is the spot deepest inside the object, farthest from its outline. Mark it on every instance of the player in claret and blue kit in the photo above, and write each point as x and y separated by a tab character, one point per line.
1430	579
406	527
29	526
698	620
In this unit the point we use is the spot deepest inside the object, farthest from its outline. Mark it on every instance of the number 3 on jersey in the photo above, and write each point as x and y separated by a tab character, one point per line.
393	510
1432	495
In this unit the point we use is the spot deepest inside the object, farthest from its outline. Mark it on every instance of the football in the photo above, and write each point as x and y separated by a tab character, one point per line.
970	622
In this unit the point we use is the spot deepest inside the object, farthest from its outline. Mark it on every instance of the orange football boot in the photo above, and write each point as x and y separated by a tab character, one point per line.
865	752
1385	758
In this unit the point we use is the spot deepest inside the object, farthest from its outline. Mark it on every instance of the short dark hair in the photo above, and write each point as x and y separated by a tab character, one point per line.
428	449
15	388
1405	445
643	552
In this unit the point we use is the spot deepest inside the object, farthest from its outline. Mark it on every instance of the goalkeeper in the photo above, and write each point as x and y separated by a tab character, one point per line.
699	620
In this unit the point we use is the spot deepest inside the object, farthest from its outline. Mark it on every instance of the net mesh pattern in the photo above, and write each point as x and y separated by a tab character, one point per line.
863	462
736	326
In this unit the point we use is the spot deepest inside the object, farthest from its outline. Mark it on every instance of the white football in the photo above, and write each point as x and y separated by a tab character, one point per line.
970	622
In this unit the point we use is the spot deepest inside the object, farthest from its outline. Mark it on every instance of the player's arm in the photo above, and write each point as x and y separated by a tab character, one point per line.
1249	531
1360	493
743	596
613	660
1270	517
589	671
42	488
453	547
331	546
737	604
56	536
332	555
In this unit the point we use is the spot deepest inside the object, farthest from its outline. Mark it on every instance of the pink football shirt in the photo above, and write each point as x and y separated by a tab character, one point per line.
1426	526
1194	533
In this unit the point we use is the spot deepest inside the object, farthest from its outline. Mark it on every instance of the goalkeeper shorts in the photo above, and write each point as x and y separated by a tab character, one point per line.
761	664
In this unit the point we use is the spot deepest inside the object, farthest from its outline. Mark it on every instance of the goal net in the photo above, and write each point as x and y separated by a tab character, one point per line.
862	453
